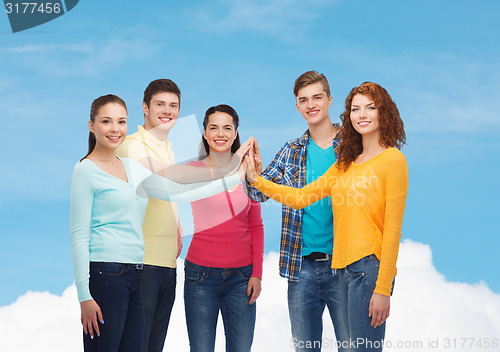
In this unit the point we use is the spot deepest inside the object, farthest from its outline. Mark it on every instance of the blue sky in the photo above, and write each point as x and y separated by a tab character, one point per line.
439	61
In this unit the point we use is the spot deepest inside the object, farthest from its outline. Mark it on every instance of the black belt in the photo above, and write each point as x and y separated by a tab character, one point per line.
318	257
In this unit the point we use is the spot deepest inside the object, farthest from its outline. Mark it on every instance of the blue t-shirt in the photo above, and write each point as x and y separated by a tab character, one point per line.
317	222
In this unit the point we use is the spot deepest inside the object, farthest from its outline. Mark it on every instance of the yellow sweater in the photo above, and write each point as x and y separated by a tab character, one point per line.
368	202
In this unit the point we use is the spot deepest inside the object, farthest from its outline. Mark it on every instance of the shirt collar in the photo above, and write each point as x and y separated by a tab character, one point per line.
150	139
304	139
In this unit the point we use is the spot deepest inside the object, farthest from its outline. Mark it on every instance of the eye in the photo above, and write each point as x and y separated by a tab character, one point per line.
319	98
372	108
123	122
354	109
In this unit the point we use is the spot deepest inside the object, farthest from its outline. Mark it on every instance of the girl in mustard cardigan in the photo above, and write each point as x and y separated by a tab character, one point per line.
367	186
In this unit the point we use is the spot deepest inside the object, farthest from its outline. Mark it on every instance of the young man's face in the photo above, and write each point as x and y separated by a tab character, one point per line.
313	103
162	112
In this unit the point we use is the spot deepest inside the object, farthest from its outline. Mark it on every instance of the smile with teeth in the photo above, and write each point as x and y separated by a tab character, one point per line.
312	112
220	141
113	138
364	123
165	119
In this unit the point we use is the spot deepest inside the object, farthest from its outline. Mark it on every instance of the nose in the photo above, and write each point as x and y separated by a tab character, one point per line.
310	103
362	113
114	127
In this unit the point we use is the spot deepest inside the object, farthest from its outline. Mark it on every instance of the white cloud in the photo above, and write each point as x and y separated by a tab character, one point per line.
426	310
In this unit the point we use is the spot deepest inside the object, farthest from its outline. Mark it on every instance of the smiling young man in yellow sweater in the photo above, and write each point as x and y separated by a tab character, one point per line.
162	231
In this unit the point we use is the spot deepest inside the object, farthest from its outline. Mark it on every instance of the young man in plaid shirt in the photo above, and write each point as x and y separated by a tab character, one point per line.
307	234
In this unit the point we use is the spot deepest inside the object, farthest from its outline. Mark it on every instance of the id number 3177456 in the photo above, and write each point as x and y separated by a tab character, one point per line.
33	7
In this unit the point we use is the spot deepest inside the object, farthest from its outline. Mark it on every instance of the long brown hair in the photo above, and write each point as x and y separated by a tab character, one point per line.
392	133
94	110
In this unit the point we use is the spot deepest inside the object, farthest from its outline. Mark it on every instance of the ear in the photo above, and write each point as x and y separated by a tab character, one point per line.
91	126
235	135
145	109
297	106
204	133
330	100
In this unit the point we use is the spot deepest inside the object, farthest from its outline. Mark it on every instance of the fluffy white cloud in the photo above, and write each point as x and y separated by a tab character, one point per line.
428	313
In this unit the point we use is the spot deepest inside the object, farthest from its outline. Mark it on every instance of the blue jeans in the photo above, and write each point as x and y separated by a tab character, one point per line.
116	288
357	281
208	290
317	287
158	290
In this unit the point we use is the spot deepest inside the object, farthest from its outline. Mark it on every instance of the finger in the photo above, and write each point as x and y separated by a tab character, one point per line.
374	321
256	294
249	288
85	330
96	327
99	316
256	147
89	328
253	298
250	165
370	308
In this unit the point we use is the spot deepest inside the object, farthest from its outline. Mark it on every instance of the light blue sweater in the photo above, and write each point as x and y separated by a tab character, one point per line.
106	213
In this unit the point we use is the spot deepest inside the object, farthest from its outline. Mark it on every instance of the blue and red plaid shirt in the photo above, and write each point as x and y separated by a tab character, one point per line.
289	168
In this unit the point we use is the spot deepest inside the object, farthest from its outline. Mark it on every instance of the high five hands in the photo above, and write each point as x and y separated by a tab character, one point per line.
252	161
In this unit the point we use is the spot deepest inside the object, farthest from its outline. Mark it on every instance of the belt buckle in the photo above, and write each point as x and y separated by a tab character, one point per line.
139	266
326	258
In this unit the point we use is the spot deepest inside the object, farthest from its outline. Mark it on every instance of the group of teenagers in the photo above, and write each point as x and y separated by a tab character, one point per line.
343	189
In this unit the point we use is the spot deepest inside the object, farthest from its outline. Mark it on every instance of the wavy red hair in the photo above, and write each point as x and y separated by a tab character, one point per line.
392	133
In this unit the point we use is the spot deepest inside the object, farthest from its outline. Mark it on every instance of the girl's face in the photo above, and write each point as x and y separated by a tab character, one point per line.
110	126
364	115
220	133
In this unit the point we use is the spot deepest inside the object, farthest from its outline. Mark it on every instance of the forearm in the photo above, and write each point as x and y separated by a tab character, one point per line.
190	174
164	189
296	198
256	231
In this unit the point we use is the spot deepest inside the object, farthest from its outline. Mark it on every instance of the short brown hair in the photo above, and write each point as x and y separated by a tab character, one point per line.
161	85
308	78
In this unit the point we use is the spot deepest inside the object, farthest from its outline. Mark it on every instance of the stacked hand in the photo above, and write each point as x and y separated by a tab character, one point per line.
253	162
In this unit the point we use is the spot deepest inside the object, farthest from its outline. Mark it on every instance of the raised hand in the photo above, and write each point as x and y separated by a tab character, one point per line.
256	156
251	167
244	148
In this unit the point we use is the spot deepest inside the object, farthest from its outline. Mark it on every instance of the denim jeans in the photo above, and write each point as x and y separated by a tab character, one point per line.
116	288
357	282
158	290
208	290
317	287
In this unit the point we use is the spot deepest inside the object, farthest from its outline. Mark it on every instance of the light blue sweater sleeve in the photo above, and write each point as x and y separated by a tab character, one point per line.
164	189
80	215
155	186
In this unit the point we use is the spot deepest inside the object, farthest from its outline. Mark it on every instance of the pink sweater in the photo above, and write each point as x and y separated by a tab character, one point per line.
228	231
